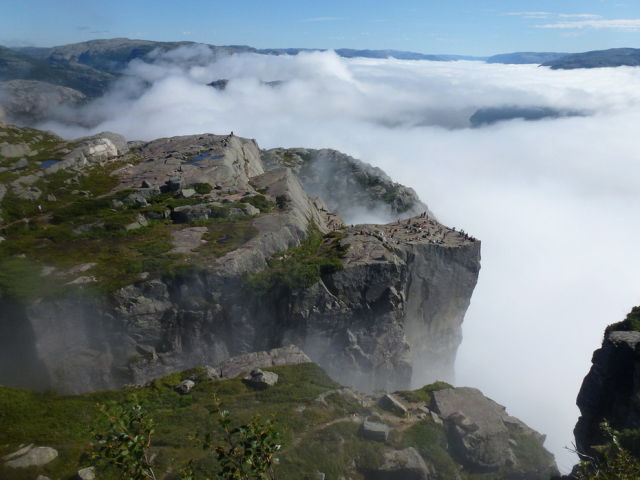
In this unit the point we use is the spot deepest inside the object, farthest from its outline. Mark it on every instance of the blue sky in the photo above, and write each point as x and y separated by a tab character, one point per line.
471	27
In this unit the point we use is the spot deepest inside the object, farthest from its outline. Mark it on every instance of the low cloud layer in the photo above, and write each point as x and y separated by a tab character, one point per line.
554	201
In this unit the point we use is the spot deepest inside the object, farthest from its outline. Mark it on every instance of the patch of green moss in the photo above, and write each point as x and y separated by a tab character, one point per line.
202	188
423	395
631	323
430	440
261	202
302	266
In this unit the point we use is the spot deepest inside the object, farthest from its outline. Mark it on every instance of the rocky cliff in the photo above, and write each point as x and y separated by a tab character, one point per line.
121	262
611	389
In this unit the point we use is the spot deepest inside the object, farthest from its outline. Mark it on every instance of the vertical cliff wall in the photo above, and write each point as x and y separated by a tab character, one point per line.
611	390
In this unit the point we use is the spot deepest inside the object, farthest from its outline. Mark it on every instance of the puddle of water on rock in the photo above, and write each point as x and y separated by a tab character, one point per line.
198	159
48	163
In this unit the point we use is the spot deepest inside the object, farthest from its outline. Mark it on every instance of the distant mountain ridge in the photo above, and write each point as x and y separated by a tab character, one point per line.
526	57
613	57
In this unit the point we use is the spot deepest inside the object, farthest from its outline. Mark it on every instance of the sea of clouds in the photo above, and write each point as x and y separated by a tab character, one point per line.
555	201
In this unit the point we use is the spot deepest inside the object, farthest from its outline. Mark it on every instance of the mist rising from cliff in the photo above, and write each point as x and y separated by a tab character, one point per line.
555	201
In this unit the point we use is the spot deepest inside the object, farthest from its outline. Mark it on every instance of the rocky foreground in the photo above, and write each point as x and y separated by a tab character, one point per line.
123	261
329	431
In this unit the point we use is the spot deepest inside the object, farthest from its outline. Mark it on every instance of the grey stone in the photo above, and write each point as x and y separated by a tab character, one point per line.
187	192
486	445
21	451
235	366
391	403
20	164
36	456
248	209
261	379
185	387
42	477
190	213
9	150
404	464
375	431
140	222
157	214
212	373
145	184
88	473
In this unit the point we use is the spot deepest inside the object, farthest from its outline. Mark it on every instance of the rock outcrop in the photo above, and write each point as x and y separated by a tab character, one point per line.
351	188
28	101
396	300
610	390
484	437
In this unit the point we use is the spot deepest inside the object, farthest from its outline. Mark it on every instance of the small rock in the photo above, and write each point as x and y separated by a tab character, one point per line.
17	453
81	268
42	477
185	387
34	457
2	239
187	192
139	223
375	431
145	184
389	402
212	373
404	464
46	271
261	379
88	473
20	164
51	198
249	209
82	280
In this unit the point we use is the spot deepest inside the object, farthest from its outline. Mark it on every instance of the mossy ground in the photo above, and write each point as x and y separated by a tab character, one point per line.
301	266
46	145
631	323
65	422
74	222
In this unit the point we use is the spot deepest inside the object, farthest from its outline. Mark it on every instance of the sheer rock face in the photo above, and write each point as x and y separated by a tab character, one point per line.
610	390
391	316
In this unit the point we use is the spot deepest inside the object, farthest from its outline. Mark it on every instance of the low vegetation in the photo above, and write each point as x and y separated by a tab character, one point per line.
302	266
631	323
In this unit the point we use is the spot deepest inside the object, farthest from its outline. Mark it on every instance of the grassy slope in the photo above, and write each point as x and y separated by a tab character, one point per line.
317	436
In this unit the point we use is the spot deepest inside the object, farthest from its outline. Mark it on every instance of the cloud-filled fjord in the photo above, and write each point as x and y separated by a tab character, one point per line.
554	201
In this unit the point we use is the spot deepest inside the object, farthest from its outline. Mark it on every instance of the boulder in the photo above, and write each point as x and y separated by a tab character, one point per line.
404	464
191	213
235	366
475	428
261	379
37	456
139	222
185	387
88	473
375	431
187	192
392	404
14	150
